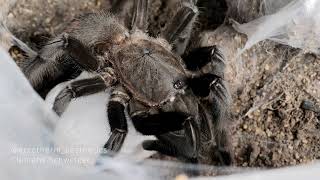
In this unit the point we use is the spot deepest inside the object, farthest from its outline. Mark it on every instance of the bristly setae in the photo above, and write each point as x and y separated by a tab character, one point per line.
179	97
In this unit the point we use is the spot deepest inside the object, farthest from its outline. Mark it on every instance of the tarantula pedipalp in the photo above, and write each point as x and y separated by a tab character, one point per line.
164	92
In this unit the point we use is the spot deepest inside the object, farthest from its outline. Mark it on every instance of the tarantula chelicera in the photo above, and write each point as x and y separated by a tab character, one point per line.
181	98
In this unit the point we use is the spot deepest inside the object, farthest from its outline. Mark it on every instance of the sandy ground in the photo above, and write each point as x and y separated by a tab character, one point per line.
275	89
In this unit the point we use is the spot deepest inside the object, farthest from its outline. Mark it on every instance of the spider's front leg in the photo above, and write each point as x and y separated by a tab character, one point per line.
208	63
183	146
215	99
207	59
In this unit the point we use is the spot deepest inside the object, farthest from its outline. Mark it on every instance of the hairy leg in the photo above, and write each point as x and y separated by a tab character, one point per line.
208	63
216	101
44	75
77	89
50	64
200	57
117	119
44	69
79	53
60	59
159	123
140	15
183	146
179	29
223	150
7	40
123	10
117	5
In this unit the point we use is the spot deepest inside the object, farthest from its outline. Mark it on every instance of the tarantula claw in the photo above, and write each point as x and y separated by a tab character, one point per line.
181	144
216	54
62	100
116	140
192	134
214	82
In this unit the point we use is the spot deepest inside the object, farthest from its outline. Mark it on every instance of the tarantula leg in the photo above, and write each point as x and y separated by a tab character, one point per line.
208	65
7	40
223	149
117	119
140	15
179	29
214	92
184	146
158	123
79	53
42	73
61	58
79	88
219	100
202	85
179	23
200	57
117	5
51	66
123	10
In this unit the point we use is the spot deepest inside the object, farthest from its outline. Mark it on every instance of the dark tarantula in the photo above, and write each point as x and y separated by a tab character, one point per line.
181	98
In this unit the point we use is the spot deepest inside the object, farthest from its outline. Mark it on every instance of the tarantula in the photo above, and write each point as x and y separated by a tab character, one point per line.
179	97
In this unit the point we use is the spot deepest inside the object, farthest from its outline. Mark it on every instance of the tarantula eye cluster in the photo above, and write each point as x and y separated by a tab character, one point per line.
178	84
149	79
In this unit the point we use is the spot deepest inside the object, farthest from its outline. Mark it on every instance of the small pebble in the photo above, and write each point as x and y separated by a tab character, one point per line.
182	177
308	105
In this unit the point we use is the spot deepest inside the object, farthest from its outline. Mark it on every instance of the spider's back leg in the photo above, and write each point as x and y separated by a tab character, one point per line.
123	11
140	15
79	53
7	40
41	73
63	56
117	5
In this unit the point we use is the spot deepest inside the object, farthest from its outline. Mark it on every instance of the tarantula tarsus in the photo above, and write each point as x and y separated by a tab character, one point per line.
181	98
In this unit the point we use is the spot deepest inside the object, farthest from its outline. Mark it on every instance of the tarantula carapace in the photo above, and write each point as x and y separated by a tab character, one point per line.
181	98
